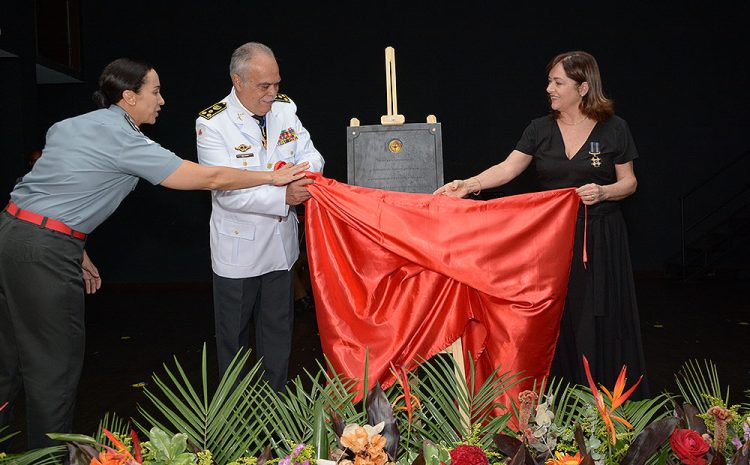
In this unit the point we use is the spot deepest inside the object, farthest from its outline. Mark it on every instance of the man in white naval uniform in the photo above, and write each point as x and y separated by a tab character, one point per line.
254	231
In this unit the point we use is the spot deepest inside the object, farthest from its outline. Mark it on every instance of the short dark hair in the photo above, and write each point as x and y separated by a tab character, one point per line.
120	75
582	67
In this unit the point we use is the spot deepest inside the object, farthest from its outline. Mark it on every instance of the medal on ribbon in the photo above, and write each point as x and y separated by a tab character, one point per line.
596	162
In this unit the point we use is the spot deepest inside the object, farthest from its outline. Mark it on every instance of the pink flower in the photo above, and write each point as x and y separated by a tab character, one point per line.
527	399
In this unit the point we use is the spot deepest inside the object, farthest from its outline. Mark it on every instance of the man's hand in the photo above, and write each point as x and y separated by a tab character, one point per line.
296	192
91	279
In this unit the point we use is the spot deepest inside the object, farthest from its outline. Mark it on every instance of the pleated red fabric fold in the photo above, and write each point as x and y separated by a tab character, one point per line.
402	276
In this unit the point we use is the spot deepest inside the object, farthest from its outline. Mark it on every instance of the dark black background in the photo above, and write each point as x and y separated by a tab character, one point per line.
677	73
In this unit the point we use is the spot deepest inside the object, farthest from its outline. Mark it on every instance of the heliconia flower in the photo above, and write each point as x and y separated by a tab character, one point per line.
565	459
408	397
122	451
110	457
136	446
616	397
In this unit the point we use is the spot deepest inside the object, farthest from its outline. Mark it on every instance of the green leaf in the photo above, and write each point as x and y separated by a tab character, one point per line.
230	421
46	456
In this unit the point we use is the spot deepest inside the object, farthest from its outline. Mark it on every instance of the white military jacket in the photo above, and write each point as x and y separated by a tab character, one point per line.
253	231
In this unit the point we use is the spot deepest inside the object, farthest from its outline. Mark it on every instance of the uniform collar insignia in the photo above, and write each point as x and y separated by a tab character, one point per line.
213	110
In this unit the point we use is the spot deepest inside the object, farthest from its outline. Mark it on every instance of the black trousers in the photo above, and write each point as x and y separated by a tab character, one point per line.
41	325
266	301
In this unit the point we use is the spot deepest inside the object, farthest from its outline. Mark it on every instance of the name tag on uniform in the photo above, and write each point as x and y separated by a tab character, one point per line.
244	155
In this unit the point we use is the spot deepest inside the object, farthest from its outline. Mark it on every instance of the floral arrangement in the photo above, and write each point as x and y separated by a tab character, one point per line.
430	417
366	445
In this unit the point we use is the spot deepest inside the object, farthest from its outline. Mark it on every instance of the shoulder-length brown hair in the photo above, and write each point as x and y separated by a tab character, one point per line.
582	67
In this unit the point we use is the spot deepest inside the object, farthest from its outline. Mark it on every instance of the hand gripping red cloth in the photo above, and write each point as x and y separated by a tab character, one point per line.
402	276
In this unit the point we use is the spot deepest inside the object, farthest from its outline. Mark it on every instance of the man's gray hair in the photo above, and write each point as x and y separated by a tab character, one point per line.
242	56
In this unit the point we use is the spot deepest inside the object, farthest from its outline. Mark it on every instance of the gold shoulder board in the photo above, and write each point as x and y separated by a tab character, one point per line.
213	110
282	98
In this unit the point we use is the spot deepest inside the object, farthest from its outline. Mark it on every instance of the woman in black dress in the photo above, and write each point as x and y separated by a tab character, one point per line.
582	144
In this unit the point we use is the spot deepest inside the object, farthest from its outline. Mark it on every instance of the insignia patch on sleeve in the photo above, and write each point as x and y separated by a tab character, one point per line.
213	110
282	98
287	135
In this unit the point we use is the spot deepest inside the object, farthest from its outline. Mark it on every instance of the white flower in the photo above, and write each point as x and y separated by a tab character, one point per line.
371	430
544	415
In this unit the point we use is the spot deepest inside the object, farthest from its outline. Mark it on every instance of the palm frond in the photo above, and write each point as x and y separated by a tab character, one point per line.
290	416
229	423
46	456
565	401
641	413
113	423
452	407
695	381
7	436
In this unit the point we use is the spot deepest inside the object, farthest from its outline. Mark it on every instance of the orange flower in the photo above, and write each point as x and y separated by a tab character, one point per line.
112	458
565	459
121	456
355	438
616	398
408	397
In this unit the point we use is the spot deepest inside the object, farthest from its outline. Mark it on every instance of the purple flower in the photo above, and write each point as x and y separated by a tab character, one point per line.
285	461
297	449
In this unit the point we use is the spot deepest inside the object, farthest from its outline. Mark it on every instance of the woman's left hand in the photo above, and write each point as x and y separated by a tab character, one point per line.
591	194
91	279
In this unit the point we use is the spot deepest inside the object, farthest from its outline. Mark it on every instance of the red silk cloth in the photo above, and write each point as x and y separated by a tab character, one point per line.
402	276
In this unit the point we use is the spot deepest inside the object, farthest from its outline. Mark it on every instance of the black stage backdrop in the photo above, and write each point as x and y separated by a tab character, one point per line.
678	75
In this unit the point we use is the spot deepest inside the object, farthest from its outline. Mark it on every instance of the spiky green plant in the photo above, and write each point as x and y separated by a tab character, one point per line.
452	410
45	456
114	424
228	421
290	417
695	382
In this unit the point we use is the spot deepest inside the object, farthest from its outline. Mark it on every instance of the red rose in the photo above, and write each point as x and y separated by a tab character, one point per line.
689	446
468	455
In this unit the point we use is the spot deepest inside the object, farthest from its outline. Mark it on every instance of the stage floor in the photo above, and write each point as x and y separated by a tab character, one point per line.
133	329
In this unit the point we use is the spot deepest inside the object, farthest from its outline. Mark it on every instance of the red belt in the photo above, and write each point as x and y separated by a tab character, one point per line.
43	221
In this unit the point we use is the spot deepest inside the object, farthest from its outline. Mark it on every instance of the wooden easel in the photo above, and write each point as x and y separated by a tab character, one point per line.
391	118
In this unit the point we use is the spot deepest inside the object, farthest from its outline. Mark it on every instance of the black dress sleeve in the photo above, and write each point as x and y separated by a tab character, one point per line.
529	141
626	146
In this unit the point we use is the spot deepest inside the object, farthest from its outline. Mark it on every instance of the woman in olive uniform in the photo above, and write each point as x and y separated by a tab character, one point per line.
91	163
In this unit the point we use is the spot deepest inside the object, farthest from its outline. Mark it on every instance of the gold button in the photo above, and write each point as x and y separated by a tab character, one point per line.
244	163
236	232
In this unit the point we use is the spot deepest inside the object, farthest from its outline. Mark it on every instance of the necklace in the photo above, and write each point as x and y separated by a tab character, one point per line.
573	124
